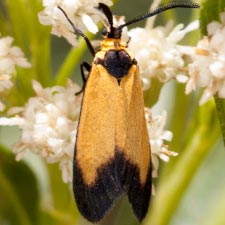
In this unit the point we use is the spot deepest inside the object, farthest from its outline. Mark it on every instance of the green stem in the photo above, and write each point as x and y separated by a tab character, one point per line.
59	190
70	62
63	200
220	106
8	190
172	188
151	95
182	111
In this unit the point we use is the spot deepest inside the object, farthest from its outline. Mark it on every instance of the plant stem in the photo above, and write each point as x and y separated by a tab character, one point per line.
173	187
73	59
7	189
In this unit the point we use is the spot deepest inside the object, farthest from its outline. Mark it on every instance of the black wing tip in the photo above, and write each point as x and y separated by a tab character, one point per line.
139	196
114	178
95	201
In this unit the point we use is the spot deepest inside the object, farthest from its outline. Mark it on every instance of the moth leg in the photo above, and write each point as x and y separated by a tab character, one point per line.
83	65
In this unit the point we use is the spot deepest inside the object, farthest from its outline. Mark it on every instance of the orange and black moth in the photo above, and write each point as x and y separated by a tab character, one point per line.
112	152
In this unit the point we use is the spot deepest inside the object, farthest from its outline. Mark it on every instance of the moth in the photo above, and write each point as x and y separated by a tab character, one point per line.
112	152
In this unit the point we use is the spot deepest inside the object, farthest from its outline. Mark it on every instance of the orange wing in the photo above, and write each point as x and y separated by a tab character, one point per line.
112	152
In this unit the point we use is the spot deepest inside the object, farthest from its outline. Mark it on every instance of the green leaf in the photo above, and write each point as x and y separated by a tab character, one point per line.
18	191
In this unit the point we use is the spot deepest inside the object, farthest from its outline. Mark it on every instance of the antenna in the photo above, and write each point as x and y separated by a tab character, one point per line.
106	11
162	8
115	32
78	31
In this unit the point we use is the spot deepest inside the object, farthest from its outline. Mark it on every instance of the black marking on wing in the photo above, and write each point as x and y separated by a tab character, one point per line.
114	178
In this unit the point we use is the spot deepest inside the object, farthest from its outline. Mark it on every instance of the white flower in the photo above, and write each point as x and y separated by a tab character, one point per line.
207	70
5	82
10	57
157	136
83	14
158	53
48	125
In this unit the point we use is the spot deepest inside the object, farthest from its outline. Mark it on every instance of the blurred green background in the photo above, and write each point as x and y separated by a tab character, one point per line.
189	190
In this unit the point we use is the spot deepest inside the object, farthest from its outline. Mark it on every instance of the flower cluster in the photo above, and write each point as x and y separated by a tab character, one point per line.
158	53
10	56
207	69
158	135
47	124
83	14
